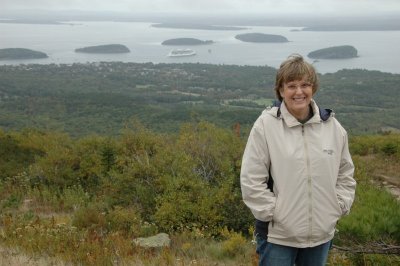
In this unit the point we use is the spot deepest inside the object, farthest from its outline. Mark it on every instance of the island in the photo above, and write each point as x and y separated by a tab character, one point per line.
20	53
104	49
195	26
186	41
261	38
335	52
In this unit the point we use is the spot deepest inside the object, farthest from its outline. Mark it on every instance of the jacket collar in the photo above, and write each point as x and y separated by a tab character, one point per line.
280	111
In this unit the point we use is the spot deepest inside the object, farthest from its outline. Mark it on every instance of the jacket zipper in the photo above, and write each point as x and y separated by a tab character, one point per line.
309	185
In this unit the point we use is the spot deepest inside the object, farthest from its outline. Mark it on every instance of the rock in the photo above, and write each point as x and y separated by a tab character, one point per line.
158	241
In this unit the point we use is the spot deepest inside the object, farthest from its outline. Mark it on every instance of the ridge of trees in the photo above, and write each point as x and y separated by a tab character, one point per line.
82	99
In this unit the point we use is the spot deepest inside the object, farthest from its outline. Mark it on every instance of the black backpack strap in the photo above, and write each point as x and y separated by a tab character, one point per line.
261	228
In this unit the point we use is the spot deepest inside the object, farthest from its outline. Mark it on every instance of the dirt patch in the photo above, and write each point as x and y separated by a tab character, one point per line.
391	184
385	172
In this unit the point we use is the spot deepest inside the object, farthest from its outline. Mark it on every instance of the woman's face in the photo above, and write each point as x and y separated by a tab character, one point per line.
297	95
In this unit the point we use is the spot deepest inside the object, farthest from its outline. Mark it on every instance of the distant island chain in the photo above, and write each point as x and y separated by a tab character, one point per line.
336	52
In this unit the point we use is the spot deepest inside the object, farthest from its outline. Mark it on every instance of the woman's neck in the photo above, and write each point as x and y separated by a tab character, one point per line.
303	118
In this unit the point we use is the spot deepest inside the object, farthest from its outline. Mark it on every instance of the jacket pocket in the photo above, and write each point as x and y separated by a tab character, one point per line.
276	212
341	212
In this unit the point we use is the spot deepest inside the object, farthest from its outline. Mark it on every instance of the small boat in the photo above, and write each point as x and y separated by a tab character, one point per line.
181	52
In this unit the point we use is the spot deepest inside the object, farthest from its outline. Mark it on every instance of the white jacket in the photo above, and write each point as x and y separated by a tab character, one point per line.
312	172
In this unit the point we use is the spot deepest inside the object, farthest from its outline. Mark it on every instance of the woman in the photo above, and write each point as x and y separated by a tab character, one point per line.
304	150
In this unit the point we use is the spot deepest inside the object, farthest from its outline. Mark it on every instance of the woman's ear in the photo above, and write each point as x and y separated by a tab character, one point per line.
281	92
313	91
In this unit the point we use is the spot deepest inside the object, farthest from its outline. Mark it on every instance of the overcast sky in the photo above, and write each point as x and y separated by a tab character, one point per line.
338	7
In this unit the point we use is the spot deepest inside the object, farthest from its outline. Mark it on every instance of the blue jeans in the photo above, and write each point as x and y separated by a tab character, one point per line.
278	255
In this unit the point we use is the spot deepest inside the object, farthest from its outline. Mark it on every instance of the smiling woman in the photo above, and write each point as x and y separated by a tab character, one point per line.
297	173
297	96
296	83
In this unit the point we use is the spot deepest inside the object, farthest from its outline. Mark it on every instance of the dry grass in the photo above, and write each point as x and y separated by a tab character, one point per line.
387	168
14	257
44	239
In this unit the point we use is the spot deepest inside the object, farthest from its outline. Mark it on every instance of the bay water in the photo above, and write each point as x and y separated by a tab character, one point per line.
377	50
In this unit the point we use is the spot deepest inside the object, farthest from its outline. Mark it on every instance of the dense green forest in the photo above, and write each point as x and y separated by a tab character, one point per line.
99	98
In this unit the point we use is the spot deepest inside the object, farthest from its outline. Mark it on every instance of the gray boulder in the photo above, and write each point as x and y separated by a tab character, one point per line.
158	241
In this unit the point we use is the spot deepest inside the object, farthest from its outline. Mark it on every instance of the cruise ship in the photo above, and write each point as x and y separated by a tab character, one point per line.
181	52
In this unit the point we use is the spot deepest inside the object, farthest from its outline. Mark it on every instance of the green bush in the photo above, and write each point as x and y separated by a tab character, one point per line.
387	145
125	220
13	201
187	204
374	215
390	148
92	217
15	154
234	244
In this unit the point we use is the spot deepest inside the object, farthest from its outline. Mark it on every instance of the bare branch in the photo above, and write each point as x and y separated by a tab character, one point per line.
371	250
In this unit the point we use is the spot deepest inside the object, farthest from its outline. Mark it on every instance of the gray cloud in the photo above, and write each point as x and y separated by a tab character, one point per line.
239	6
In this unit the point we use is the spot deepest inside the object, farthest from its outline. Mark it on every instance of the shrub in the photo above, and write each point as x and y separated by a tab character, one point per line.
387	145
12	202
186	204
148	229
390	148
90	217
234	244
126	220
374	215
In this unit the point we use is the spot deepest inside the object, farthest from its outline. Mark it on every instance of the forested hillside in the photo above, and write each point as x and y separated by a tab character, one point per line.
95	155
100	98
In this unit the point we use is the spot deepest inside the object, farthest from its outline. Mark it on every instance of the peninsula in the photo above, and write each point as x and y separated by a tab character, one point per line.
261	38
335	52
104	49
371	27
186	41
195	26
20	53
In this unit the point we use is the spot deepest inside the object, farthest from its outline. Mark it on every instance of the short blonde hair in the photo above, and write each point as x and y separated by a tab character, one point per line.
295	68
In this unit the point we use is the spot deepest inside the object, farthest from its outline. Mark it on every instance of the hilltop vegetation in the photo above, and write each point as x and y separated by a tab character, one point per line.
84	200
79	178
83	99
